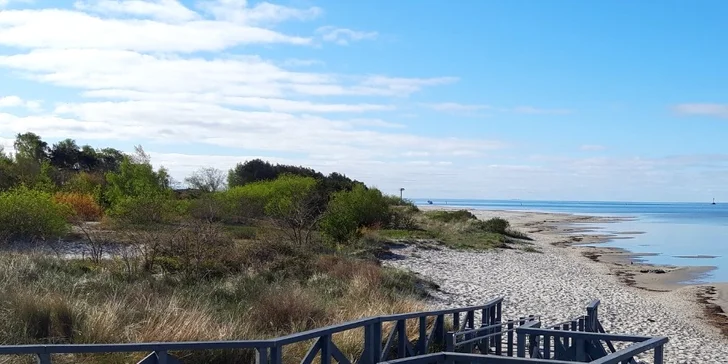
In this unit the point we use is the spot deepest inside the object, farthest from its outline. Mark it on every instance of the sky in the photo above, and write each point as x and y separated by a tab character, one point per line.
483	99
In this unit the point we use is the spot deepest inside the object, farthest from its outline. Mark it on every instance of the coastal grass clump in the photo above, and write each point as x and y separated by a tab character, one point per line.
257	291
456	229
452	216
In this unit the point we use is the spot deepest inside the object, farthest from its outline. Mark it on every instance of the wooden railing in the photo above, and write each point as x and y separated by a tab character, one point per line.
397	344
386	339
581	339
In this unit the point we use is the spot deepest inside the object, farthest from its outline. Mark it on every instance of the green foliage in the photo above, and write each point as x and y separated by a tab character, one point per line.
495	225
452	216
27	214
135	180
241	232
350	210
402	217
147	209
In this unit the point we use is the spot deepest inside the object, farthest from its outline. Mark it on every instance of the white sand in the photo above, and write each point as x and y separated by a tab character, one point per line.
558	284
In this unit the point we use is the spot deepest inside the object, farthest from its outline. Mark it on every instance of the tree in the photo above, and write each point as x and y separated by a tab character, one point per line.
251	171
88	159
135	180
350	210
8	173
30	154
292	206
109	159
65	155
31	147
207	179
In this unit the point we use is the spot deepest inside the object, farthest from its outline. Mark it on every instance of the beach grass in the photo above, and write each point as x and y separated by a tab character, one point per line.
279	289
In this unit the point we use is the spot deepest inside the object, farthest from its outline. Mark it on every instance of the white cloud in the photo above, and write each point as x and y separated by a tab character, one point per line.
140	77
73	29
263	13
343	36
164	10
704	109
295	62
456	107
15	101
234	76
592	147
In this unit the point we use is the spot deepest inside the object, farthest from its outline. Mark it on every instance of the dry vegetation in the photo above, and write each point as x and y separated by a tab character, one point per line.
283	249
200	281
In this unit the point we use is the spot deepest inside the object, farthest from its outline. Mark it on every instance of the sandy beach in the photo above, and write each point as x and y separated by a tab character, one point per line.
636	298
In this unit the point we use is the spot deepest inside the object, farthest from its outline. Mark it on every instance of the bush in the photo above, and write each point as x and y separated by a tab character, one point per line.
143	210
453	216
402	219
350	210
242	232
495	225
31	215
83	206
289	309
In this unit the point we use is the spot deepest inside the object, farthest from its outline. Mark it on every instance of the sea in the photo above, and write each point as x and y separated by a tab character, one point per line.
681	234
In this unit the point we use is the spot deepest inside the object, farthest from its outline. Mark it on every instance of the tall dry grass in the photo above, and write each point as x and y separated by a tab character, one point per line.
46	299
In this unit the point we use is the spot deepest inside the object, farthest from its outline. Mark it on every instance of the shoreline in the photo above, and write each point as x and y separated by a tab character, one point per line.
570	243
627	265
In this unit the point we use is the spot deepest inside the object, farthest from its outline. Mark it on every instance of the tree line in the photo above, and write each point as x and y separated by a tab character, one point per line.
65	182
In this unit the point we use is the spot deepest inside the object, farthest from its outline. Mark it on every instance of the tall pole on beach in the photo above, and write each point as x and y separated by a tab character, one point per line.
400	192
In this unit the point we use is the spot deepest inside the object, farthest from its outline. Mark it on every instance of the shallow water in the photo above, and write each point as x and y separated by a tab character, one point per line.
676	232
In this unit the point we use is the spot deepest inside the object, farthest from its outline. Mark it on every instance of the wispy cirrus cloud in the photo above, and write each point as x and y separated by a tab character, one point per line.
454	107
703	109
344	36
592	147
457	107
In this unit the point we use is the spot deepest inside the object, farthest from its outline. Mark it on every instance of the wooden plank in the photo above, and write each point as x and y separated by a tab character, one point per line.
312	351
338	355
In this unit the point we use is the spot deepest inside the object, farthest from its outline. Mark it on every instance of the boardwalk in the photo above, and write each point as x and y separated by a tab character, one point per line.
476	334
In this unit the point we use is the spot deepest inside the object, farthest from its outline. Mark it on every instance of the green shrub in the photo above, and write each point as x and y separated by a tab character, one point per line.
27	214
402	219
350	210
147	209
241	232
453	216
495	225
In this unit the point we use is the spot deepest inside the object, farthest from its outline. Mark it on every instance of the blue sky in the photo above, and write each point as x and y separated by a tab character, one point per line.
574	100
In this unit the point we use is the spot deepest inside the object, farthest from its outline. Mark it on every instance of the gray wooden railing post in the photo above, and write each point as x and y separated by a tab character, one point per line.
580	349
44	358
658	359
509	349
440	327
161	356
326	349
261	356
499	320
547	347
401	339
521	344
422	344
450	342
456	321
276	354
376	341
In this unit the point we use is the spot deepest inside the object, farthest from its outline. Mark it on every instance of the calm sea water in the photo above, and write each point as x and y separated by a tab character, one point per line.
671	230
